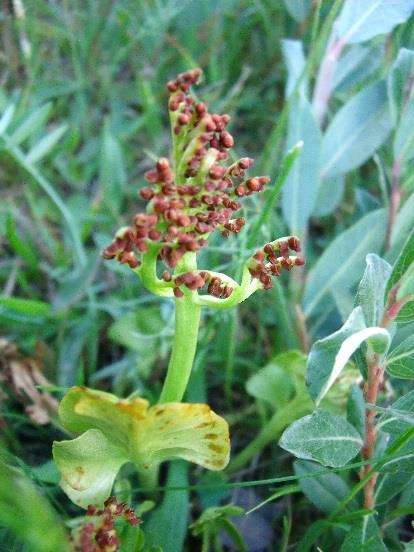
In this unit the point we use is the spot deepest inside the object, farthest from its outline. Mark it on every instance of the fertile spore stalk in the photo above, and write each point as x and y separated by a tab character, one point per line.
186	203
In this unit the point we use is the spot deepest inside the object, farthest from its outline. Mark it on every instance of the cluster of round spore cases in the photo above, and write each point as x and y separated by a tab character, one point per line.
198	280
100	533
274	257
186	202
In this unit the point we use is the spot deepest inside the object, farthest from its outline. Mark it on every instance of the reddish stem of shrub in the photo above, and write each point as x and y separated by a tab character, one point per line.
372	387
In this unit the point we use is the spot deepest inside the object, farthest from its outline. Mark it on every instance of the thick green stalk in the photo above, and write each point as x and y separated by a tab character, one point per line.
148	479
187	321
283	417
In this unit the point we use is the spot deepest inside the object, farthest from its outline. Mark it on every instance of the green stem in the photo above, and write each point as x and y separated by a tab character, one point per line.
148	479
148	274
187	321
283	417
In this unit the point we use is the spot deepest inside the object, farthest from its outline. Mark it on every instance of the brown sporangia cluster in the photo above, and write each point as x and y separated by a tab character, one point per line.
198	280
201	195
100	534
270	260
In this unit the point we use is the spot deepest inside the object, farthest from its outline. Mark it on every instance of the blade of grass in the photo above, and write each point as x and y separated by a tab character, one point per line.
274	191
17	154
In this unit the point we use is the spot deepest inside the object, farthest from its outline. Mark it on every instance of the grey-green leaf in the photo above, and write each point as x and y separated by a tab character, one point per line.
371	289
356	64
356	131
301	185
379	340
401	74
364	535
329	195
298	9
323	437
404	137
401	265
324	491
404	222
356	409
343	261
294	58
390	484
400	362
322	355
400	416
362	20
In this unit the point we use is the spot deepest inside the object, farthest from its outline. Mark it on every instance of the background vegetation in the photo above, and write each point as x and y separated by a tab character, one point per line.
83	104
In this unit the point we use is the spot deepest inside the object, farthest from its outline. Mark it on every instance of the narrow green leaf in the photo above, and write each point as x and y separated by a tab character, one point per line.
46	144
77	283
31	124
361	21
301	185
29	307
343	261
24	247
356	131
313	533
28	514
164	529
400	362
286	490
16	153
7	117
112	171
215	520
323	437
272	193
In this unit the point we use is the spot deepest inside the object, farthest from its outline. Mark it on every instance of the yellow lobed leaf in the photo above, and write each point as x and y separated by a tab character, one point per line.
148	435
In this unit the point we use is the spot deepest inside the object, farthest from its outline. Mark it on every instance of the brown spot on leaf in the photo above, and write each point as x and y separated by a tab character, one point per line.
216	448
205	424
